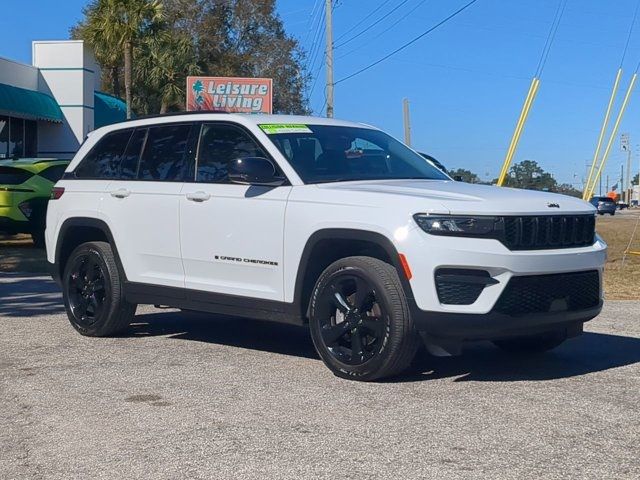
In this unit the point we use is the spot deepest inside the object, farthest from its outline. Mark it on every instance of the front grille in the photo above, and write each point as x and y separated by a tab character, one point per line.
550	293
547	232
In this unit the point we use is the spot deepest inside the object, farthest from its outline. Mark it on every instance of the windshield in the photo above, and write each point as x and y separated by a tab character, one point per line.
327	153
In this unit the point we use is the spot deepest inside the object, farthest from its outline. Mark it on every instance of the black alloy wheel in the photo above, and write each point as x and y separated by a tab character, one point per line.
93	291
86	289
359	320
353	322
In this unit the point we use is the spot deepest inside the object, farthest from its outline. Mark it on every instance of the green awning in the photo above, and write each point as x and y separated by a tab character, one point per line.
108	109
28	104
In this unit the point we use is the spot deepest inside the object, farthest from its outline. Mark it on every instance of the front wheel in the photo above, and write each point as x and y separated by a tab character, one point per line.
93	291
532	344
360	321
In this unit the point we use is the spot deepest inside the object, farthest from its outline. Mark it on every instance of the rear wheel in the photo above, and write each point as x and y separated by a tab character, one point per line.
532	344
93	291
360	321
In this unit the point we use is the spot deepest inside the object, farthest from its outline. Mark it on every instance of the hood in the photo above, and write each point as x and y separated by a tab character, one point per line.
466	198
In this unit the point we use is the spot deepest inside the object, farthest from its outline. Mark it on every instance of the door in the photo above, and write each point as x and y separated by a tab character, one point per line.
231	235
142	206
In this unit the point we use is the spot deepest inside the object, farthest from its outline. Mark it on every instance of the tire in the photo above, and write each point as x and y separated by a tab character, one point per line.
360	321
532	344
93	292
613	213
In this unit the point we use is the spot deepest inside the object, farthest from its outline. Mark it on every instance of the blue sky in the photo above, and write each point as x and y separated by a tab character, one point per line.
466	81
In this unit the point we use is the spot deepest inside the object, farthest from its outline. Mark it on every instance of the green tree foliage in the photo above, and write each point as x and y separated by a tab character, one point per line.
531	176
635	180
466	175
112	26
190	37
164	63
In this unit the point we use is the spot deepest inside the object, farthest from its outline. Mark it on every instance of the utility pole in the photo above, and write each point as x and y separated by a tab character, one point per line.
407	122
600	186
329	35
607	183
625	145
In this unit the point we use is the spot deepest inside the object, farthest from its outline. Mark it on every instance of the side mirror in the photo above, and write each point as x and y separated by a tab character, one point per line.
254	171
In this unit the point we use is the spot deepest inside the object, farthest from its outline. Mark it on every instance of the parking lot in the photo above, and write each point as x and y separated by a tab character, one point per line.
185	395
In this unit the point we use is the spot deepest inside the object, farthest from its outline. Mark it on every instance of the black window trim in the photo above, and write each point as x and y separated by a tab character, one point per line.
249	133
72	175
199	124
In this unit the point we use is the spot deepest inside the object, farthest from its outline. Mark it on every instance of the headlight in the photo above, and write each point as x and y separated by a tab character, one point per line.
453	225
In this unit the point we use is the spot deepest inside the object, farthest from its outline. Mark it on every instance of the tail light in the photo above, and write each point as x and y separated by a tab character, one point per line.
56	193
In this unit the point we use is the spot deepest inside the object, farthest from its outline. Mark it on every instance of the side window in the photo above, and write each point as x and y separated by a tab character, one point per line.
131	157
54	173
166	154
103	161
219	145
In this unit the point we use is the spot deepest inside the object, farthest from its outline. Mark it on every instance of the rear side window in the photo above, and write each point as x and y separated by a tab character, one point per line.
166	154
219	145
54	173
131	157
103	161
13	176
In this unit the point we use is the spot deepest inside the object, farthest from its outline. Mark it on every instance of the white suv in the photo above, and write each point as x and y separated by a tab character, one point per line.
321	222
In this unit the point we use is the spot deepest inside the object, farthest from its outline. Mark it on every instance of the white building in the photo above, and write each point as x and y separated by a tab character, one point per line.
47	109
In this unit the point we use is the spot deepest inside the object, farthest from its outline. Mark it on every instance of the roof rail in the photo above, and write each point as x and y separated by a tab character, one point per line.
173	114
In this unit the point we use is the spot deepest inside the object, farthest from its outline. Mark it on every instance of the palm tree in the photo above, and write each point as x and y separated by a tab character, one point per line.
120	24
165	62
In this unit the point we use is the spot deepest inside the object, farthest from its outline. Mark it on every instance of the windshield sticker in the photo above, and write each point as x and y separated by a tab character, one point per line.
274	128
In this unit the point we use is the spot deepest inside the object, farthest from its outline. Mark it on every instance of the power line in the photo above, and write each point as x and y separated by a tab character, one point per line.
550	37
386	29
411	42
363	20
626	45
372	25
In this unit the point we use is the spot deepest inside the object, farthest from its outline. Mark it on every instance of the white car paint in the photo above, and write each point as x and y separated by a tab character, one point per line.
165	239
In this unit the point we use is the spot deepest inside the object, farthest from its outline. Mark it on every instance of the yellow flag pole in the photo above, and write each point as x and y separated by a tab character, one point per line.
614	132
614	91
533	90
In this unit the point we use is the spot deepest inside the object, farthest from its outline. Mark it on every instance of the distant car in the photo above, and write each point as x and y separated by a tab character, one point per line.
604	205
25	188
622	205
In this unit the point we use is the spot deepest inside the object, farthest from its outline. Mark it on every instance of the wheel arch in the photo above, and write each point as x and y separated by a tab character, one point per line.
76	231
326	246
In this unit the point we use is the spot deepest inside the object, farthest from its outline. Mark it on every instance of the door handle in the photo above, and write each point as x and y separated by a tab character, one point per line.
120	193
198	196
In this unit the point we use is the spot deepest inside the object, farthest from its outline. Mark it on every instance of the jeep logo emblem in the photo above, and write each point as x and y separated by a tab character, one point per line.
553	205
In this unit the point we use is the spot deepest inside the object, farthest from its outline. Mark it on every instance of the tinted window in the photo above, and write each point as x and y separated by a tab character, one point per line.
131	157
54	173
166	155
328	153
219	145
103	161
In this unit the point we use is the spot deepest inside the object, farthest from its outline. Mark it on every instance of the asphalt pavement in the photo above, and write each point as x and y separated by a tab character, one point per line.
187	395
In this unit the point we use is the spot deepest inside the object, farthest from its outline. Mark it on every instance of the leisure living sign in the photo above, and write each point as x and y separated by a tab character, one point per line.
230	94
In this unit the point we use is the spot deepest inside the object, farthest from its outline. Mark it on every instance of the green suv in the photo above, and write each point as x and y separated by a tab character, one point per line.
25	188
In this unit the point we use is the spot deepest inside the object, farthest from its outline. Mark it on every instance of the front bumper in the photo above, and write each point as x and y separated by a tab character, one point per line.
443	328
426	254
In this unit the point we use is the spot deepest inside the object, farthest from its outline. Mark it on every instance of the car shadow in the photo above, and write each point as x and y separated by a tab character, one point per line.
224	330
22	296
589	353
